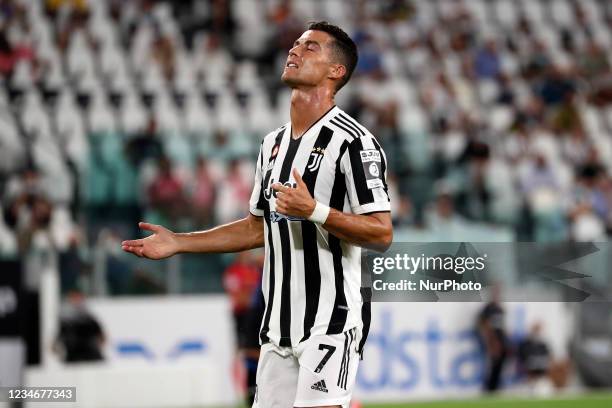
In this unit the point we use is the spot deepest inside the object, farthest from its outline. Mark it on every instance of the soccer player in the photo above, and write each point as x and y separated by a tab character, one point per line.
319	195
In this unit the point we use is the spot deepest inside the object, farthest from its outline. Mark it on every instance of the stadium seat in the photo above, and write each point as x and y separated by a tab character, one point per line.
34	117
534	11
506	12
500	118
152	79
185	75
479	9
22	78
12	147
132	116
79	58
100	116
488	89
71	129
168	119
560	12
308	10
196	114
413	120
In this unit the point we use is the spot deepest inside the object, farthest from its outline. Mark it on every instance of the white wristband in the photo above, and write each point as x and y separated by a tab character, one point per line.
320	213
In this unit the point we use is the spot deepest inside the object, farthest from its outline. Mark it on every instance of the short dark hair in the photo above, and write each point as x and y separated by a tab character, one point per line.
344	48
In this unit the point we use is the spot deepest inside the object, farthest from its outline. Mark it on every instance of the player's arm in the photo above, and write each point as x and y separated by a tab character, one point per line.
373	231
236	236
241	235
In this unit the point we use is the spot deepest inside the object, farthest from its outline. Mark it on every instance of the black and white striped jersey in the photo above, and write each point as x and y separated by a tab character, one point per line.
311	280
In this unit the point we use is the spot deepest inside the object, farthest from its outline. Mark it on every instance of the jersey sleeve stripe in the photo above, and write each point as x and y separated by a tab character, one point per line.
349	124
354	122
364	194
350	132
261	202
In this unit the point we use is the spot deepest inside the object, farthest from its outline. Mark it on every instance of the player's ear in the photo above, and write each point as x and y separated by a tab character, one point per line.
337	71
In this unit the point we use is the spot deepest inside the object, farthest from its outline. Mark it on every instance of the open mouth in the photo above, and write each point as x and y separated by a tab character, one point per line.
292	65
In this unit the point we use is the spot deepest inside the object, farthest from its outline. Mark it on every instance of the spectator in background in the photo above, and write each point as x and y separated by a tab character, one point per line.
492	331
212	58
534	358
33	221
541	188
556	86
10	54
441	216
576	147
506	95
539	177
606	189
29	211
478	196
221	20
71	264
43	230
537	61
370	56
81	337
438	97
251	347
145	145
589	210
287	26
240	280
593	61
7	55
203	195
76	20
166	192
486	61
234	193
163	54
253	316
53	6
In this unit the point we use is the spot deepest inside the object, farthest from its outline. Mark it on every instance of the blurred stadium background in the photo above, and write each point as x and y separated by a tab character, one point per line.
496	116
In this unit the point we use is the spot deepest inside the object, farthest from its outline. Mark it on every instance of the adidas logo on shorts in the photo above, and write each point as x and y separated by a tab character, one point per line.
319	386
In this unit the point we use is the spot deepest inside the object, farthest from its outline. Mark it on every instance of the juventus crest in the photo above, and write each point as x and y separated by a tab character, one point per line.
314	161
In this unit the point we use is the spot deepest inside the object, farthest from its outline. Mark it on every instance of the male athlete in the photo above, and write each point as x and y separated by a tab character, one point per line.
319	195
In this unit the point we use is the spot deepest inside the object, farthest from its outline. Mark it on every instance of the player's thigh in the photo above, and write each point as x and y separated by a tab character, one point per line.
276	380
328	366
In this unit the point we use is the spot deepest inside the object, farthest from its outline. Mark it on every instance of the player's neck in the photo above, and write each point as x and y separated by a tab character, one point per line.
308	106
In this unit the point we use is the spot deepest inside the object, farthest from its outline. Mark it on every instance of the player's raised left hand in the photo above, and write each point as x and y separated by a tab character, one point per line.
296	202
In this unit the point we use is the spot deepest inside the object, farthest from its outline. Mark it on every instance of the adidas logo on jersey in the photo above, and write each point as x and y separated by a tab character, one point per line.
319	386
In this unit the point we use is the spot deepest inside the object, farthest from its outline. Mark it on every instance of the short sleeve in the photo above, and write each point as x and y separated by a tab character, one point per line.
365	169
257	198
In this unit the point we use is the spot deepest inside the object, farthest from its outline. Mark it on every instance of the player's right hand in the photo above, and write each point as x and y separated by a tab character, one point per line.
161	244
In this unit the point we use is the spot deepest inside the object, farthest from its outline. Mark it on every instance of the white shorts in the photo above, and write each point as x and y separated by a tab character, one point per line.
317	372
